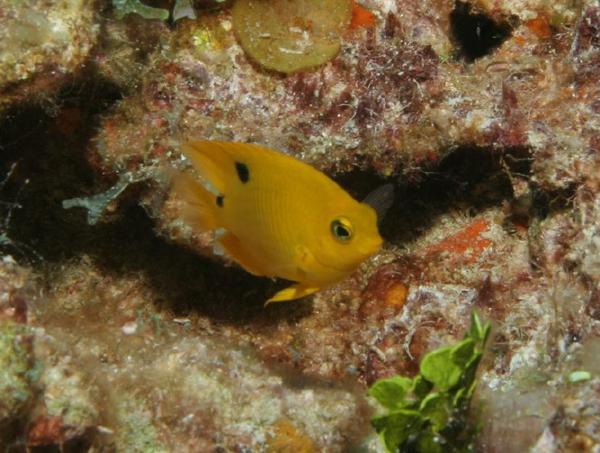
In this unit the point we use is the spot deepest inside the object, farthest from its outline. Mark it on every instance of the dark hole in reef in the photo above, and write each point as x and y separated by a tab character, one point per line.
212	5
469	179
45	146
475	33
45	449
11	435
546	202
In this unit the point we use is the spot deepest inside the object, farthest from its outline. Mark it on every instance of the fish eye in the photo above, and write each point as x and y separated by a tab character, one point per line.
341	229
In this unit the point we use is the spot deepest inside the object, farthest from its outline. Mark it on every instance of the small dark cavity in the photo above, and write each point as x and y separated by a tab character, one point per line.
593	304
220	200
243	172
545	202
212	4
392	27
468	178
381	199
475	33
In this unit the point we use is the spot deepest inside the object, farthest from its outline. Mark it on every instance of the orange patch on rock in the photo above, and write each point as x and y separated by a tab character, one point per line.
45	431
467	242
287	438
539	27
396	294
361	17
520	40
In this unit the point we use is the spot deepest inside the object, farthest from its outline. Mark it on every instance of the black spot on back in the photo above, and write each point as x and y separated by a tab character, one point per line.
220	200
243	172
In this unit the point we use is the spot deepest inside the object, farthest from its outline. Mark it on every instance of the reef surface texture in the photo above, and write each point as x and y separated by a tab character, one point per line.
120	331
43	43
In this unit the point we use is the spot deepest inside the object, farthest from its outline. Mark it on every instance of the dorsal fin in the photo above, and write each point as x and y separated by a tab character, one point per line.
381	199
212	161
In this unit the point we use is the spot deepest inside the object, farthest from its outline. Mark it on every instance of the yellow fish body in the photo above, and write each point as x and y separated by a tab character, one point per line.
275	215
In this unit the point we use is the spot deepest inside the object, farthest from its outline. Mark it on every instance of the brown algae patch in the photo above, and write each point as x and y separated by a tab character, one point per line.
290	36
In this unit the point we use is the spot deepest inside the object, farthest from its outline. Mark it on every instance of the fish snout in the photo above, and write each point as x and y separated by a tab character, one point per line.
371	246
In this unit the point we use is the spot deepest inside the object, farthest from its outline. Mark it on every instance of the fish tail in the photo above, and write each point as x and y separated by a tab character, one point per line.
198	206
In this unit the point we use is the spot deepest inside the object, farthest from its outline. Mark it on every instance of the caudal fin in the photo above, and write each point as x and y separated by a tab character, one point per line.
198	207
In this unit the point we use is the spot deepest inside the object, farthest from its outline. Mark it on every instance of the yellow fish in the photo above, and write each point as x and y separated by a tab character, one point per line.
275	215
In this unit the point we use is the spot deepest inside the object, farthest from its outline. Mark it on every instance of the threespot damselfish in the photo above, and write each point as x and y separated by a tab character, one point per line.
275	215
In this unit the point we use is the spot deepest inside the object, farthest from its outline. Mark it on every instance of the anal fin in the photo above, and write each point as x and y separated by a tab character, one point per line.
293	292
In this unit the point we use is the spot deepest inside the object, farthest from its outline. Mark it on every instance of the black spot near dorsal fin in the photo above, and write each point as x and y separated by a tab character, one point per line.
220	200
243	172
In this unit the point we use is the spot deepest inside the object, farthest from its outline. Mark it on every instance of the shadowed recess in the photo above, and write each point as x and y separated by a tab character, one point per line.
468	179
475	33
44	153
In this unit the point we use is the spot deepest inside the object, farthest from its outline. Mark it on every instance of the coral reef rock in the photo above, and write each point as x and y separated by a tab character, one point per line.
127	333
42	44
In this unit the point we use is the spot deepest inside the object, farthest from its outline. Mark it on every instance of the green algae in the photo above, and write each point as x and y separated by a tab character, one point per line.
125	7
15	365
136	433
66	396
428	414
579	376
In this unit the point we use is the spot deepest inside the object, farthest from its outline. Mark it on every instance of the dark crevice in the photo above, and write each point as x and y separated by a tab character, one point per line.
536	205
468	179
475	33
44	152
548	202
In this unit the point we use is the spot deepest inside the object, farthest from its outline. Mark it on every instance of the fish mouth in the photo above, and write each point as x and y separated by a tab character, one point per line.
341	269
367	251
372	247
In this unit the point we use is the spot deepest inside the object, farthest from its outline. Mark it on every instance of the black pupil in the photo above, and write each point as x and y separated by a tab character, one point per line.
341	231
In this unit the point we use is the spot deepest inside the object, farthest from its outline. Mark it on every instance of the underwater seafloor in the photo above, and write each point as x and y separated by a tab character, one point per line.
119	331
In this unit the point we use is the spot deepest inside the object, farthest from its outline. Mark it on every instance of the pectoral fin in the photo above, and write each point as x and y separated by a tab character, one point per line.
235	249
292	292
